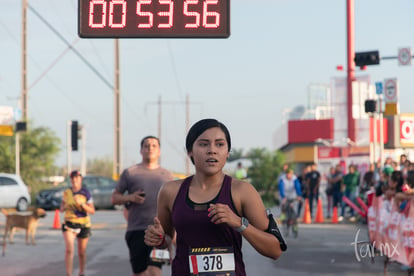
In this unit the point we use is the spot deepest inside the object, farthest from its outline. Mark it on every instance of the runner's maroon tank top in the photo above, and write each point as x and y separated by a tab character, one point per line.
195	230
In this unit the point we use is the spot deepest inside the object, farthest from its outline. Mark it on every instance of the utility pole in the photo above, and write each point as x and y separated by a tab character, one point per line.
187	103
374	155
187	127
381	127
24	61
23	97
351	66
117	139
17	152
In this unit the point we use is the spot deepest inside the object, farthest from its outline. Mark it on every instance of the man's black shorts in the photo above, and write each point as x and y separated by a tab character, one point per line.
139	252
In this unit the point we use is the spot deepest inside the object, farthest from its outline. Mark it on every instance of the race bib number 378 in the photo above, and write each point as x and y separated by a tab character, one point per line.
212	261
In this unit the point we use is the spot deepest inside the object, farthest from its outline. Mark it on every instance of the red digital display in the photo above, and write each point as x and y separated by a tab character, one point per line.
154	18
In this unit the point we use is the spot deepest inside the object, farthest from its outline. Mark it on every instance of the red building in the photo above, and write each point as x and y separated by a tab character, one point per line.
320	133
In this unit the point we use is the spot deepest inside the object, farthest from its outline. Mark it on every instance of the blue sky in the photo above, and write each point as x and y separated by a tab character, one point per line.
275	51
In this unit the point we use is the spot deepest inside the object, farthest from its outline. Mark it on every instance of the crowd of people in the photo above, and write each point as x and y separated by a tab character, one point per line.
299	187
392	180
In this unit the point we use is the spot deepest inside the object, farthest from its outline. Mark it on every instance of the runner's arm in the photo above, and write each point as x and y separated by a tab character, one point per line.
161	233
255	212
164	207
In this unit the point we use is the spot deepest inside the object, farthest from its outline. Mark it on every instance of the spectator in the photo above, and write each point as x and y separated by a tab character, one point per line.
405	168
368	181
241	172
337	182
388	161
351	180
377	174
409	182
389	190
313	179
329	190
405	191
411	166
303	187
403	159
394	165
386	173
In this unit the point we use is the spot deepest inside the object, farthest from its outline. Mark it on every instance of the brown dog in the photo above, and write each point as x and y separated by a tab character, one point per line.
25	221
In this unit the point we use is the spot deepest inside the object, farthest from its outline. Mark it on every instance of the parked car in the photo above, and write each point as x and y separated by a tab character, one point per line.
13	192
100	187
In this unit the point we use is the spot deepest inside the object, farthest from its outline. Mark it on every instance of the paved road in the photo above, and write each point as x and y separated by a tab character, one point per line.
320	249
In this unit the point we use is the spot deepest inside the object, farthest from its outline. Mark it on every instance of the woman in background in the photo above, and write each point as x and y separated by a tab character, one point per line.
77	204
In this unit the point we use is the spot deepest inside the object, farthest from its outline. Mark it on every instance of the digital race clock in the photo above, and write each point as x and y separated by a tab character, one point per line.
154	18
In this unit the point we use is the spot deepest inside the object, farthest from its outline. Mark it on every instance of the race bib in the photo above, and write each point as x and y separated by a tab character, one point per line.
212	261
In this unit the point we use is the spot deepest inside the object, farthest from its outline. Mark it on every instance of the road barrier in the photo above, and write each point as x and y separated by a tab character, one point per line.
391	230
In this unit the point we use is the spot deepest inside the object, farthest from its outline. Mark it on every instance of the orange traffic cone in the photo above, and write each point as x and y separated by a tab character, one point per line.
307	216
56	221
335	215
319	212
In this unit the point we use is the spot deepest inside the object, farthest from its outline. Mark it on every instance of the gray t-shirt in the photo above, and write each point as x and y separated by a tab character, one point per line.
137	178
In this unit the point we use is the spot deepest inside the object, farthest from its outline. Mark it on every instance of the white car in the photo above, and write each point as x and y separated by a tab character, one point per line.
13	192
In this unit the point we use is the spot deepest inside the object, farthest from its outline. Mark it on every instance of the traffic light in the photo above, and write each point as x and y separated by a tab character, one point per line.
367	58
21	126
74	135
370	106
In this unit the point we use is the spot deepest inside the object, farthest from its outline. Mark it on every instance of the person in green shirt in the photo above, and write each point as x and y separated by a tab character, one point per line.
241	172
351	182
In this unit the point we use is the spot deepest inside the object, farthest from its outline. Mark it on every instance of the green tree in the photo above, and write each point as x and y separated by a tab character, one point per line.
7	153
235	154
39	148
265	168
100	166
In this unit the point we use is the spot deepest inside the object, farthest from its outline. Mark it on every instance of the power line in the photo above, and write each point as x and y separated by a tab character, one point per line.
52	64
10	33
72	48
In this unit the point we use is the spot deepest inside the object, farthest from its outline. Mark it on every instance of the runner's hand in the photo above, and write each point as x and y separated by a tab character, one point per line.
137	197
78	202
221	213
154	234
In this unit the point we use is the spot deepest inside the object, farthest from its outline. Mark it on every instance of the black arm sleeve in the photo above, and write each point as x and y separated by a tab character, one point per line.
274	230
